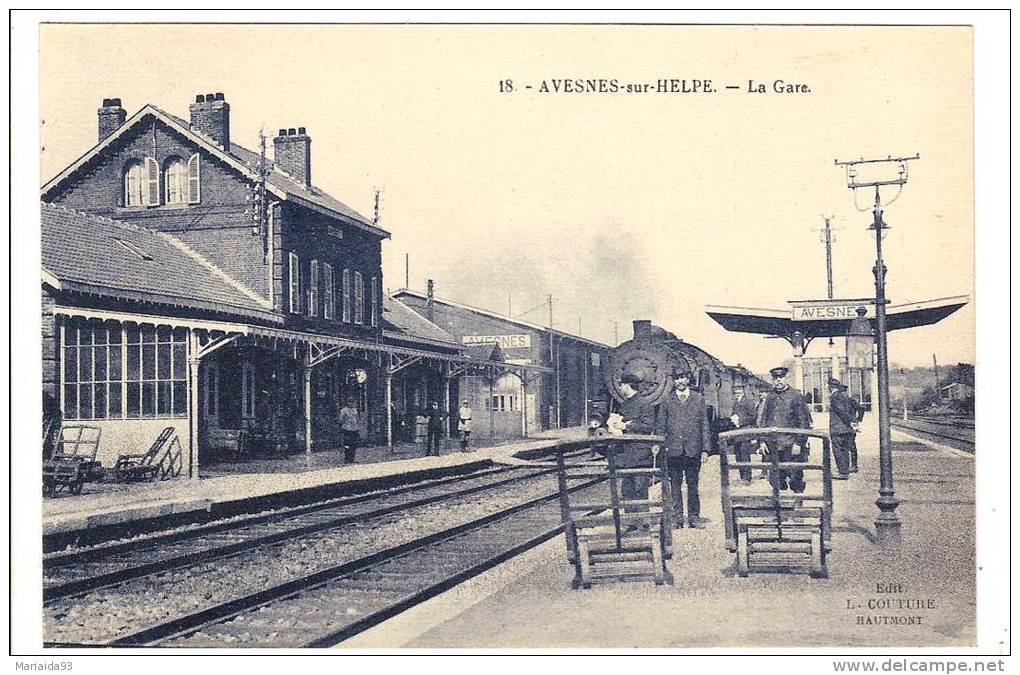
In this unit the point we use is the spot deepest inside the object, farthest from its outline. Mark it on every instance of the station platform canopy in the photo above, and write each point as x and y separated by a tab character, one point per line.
830	318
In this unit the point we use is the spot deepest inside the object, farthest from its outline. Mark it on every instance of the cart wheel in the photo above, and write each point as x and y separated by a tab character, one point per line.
743	566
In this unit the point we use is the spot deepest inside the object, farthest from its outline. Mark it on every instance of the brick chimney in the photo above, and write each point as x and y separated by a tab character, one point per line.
293	153
111	117
210	116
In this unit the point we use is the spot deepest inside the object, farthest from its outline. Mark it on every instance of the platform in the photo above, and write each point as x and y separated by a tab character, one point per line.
238	482
528	602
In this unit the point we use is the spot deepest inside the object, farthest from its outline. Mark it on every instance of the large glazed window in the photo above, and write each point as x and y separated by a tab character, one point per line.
135	184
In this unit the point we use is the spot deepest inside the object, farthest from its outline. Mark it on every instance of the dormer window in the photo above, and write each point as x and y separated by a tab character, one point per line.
134	184
176	181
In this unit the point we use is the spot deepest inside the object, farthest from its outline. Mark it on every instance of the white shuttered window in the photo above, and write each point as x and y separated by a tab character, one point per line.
328	292
294	277
359	298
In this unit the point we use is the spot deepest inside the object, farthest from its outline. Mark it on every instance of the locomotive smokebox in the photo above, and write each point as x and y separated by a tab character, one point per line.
642	329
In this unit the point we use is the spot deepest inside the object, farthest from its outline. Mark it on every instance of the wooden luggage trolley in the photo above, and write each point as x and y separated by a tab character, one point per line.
772	530
74	460
609	537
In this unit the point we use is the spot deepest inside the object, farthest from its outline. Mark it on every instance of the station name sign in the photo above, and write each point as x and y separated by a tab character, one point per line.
831	310
522	341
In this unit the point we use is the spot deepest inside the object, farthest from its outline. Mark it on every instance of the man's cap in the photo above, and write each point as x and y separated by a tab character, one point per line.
632	377
833	382
679	372
779	371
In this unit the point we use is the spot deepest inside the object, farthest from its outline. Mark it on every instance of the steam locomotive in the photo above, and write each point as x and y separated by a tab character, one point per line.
653	354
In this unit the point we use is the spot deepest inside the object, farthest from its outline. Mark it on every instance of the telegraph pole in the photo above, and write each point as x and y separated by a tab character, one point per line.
938	385
887	524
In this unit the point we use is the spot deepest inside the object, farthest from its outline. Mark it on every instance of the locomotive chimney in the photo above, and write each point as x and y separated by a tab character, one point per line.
642	328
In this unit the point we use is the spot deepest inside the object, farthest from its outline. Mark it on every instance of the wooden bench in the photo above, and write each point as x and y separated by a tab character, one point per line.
610	538
163	460
74	461
778	531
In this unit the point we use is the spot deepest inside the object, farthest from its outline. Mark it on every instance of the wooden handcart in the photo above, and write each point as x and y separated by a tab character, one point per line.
610	538
771	529
162	461
74	461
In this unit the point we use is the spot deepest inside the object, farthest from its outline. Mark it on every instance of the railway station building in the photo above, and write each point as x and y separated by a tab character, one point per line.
192	283
559	396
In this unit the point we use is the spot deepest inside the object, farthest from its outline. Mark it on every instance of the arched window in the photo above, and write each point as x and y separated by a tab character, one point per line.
175	178
135	184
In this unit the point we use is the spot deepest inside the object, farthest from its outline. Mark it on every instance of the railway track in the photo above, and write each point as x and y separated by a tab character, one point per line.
960	435
76	572
149	569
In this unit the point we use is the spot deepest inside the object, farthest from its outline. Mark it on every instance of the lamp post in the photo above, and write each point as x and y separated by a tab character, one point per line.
887	524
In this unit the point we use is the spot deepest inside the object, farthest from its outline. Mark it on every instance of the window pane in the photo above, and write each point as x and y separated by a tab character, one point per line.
163	400
132	362
101	363
148	362
163	333
180	362
71	334
114	399
85	335
99	394
85	401
114	368
85	364
70	364
163	360
133	399
114	334
180	398
148	334
71	401
148	399
132	334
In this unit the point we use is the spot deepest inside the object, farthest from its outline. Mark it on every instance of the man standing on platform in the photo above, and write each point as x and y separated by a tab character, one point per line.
349	429
464	425
745	414
637	416
843	412
435	430
786	407
683	420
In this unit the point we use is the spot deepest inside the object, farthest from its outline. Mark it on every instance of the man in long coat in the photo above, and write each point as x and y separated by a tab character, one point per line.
786	407
683	420
843	412
638	418
745	414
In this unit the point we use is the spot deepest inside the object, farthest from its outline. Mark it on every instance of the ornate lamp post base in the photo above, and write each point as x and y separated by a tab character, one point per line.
887	525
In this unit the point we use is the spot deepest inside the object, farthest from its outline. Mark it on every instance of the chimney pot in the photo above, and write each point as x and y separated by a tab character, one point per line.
642	328
211	117
219	96
293	153
111	117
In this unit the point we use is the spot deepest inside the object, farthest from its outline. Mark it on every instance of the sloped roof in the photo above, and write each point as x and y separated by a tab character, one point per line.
407	292
403	323
240	158
96	255
488	351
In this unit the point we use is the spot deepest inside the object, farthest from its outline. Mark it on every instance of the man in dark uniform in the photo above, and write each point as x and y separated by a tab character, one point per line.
638	418
683	420
786	407
436	419
843	412
745	414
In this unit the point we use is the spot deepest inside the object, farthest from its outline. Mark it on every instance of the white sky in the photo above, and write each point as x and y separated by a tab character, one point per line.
620	206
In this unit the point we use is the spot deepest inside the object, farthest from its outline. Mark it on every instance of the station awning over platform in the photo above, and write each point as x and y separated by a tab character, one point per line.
830	318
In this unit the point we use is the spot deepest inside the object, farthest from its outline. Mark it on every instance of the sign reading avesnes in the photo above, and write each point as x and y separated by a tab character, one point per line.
831	310
504	341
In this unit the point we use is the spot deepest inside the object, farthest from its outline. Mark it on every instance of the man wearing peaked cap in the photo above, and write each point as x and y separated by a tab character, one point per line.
843	414
786	407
